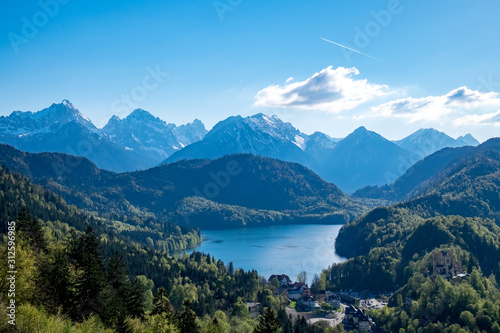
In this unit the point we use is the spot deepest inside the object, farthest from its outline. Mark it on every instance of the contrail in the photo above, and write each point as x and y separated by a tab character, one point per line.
345	47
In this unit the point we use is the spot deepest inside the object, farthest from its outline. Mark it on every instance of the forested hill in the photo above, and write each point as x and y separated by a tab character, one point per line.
390	248
430	174
17	193
232	191
469	187
412	180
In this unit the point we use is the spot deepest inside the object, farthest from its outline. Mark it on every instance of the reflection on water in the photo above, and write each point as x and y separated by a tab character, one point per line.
286	249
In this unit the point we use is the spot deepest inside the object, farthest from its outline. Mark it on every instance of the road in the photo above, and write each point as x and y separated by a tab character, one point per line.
333	319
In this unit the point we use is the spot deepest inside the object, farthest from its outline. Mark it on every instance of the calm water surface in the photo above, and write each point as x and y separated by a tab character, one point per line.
271	250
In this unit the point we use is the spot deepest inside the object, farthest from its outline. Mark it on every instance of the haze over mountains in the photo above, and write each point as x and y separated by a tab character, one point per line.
141	141
427	141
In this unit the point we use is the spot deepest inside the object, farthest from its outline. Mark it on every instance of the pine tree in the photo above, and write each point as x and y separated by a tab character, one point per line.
134	302
31	229
122	325
118	291
186	320
268	323
88	259
55	281
118	273
285	321
161	304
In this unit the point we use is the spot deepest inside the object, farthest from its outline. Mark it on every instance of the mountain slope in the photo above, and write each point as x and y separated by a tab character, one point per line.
427	141
62	128
258	188
319	145
469	186
19	123
365	158
398	248
410	183
150	137
17	192
259	135
467	140
141	140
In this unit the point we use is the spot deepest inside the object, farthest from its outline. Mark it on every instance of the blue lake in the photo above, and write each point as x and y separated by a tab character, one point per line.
287	249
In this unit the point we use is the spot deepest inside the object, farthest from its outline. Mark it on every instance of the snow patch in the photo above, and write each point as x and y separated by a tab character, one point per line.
300	142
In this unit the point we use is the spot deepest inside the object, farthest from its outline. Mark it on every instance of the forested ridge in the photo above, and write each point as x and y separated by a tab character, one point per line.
257	189
16	192
436	170
390	248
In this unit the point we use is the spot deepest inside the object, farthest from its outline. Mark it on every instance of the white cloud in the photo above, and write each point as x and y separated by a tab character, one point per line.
434	108
479	119
331	90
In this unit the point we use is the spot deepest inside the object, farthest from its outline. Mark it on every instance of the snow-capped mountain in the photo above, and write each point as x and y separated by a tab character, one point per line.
150	136
426	141
361	159
139	141
21	123
259	135
190	132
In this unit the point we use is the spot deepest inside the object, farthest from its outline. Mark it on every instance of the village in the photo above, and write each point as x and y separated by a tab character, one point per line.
342	307
349	307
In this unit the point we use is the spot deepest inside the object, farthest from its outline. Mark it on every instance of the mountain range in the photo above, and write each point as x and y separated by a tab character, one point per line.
361	159
141	141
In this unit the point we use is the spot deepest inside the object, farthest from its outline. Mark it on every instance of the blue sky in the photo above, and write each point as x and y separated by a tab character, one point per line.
437	62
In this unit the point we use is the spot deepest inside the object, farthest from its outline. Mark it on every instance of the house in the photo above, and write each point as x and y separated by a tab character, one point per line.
321	294
293	294
445	265
332	299
306	302
294	290
364	323
357	319
282	278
